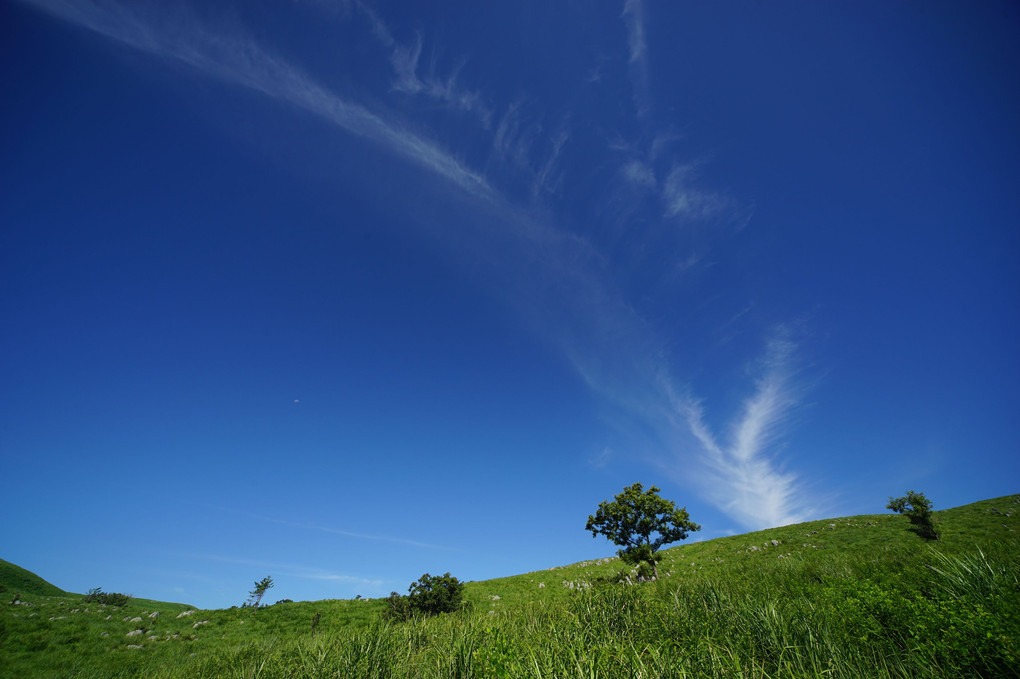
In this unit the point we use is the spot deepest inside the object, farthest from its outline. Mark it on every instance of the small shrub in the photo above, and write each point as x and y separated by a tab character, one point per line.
96	595
285	601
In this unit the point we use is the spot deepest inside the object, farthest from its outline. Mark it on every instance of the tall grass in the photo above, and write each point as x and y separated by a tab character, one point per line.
878	609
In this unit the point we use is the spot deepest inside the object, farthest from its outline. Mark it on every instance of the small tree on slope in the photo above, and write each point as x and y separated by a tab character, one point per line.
634	517
255	596
917	508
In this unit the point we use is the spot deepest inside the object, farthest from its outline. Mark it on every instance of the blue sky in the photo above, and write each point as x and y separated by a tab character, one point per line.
346	291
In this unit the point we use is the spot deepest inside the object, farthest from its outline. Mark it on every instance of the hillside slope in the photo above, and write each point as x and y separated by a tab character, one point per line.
14	578
850	597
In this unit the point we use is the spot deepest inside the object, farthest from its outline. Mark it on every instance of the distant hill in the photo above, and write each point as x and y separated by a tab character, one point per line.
17	579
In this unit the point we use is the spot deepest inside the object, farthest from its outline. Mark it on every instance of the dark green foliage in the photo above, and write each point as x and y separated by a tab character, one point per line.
435	594
255	596
917	508
429	596
398	608
315	621
285	601
633	518
96	595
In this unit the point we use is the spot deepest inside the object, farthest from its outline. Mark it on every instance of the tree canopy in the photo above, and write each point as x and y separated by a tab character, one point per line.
255	596
640	522
917	508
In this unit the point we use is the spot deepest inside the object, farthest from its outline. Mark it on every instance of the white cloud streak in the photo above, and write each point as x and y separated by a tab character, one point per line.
404	60
241	62
639	174
351	534
555	278
741	477
293	570
633	16
681	198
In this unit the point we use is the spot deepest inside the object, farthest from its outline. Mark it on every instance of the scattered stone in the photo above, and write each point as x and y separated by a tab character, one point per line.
135	619
204	622
541	585
154	614
775	543
494	597
134	633
108	617
754	548
105	634
137	646
59	617
184	614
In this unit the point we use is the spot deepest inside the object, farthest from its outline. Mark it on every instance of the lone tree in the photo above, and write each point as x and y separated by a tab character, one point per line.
255	596
430	595
917	508
634	517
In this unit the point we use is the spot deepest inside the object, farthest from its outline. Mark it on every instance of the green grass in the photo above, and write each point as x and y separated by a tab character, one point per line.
858	596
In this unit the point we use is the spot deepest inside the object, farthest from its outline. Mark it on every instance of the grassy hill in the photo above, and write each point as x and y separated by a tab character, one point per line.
16	579
859	596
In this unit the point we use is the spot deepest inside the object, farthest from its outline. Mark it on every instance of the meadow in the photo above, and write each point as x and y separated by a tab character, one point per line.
860	596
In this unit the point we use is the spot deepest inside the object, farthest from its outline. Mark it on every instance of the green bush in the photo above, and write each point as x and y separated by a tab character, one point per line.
917	508
430	595
96	595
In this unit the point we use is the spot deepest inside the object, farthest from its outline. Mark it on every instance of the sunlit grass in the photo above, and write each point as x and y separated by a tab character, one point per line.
853	597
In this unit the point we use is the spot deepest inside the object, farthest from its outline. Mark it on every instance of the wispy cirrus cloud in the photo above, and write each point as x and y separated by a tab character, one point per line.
351	534
375	537
242	62
633	16
682	197
292	570
557	279
740	474
405	61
